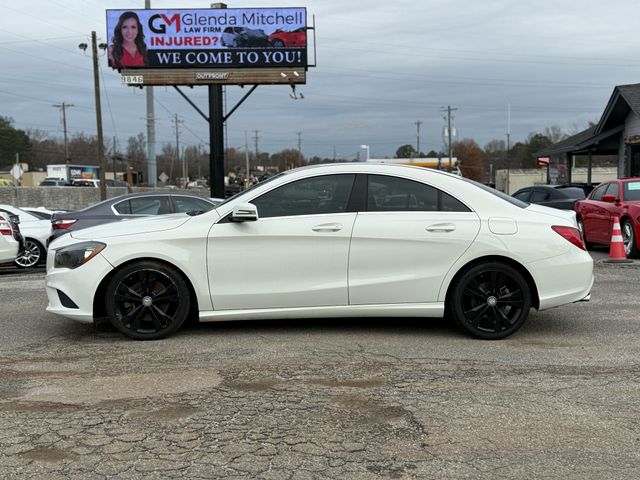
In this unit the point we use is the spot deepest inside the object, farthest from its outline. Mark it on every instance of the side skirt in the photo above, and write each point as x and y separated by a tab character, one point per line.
435	309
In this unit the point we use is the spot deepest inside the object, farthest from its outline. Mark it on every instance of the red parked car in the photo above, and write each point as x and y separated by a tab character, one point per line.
297	38
595	213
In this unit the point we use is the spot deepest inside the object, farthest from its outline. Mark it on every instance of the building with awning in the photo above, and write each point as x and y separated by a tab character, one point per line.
617	134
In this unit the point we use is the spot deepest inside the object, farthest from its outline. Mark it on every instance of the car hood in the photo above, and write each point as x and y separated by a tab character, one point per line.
554	212
132	226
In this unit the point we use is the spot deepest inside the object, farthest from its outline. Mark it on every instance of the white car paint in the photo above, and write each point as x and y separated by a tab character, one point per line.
31	227
357	263
8	245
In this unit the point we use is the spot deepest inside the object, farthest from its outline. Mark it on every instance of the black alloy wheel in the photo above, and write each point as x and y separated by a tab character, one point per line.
629	239
31	256
147	300
491	301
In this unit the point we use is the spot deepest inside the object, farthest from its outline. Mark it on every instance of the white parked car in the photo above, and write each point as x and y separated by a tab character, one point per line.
9	246
337	240
36	231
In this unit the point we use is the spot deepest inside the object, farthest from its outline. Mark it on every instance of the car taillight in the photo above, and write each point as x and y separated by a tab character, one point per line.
571	234
5	227
62	224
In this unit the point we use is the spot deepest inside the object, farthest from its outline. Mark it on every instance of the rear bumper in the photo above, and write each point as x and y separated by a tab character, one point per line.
563	279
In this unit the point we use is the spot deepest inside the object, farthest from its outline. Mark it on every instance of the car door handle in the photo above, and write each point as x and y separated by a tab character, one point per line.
327	227
441	227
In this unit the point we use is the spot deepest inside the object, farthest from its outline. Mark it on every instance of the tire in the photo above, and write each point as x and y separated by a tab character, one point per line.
490	301
147	300
31	256
588	245
629	239
278	43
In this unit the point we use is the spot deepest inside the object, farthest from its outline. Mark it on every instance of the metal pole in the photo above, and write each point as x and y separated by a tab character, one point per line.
152	172
96	81
216	139
449	132
246	159
418	123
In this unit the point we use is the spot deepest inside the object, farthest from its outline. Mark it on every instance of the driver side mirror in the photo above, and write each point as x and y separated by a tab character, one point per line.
609	198
244	212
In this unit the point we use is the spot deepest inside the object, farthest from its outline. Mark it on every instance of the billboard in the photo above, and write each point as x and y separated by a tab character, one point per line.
256	38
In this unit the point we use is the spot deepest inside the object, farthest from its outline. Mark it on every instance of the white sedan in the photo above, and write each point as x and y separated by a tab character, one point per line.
328	241
36	231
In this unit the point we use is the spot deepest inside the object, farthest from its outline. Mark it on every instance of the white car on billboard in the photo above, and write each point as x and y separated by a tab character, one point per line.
341	240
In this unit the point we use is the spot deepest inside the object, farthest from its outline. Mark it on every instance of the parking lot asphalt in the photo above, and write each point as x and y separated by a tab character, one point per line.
343	398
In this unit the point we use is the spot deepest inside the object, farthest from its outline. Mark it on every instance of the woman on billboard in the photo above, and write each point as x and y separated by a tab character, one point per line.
128	48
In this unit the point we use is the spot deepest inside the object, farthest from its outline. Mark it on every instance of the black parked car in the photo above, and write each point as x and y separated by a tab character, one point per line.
556	196
123	207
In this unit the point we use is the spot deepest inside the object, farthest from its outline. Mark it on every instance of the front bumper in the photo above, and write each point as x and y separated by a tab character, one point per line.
79	285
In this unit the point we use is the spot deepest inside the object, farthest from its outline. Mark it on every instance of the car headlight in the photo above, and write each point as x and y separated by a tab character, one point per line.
78	254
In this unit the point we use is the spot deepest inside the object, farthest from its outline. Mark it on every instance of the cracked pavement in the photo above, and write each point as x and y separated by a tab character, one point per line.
333	399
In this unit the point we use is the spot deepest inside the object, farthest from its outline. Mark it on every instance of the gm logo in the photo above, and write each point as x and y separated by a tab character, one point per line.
158	22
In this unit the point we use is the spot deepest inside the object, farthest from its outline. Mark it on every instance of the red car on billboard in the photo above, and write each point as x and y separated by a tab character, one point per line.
295	38
595	213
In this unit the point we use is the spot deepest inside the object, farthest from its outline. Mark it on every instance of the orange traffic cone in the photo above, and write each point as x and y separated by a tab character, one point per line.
617	254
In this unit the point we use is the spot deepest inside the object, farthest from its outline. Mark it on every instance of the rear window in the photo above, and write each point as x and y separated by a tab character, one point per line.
493	191
631	190
573	192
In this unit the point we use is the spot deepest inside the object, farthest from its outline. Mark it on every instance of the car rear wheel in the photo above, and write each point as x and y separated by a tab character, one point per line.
31	256
147	300
629	239
490	301
278	43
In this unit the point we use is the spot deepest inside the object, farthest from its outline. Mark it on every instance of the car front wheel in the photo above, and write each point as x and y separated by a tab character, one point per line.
31	256
629	239
147	300
490	301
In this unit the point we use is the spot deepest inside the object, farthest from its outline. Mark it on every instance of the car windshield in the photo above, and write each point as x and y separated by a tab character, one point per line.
631	190
497	193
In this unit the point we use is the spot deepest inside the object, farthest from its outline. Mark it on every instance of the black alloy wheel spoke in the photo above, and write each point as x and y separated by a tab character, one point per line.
167	294
157	322
125	293
475	314
505	321
134	316
475	285
475	292
168	319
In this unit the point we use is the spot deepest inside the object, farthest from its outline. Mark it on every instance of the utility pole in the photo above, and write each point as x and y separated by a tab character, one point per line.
299	148
63	108
176	124
508	146
449	109
255	138
417	124
113	159
96	81
246	160
152	173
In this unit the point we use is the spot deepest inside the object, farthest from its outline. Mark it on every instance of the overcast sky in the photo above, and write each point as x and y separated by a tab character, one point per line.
381	66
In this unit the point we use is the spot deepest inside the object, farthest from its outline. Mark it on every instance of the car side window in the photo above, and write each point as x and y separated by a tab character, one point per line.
190	204
393	194
539	196
523	195
612	189
310	196
144	206
599	192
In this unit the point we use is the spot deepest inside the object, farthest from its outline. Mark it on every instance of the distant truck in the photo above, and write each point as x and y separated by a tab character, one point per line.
75	172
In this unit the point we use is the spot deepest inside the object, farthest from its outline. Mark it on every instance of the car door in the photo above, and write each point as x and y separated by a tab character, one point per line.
611	209
294	255
594	216
405	241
